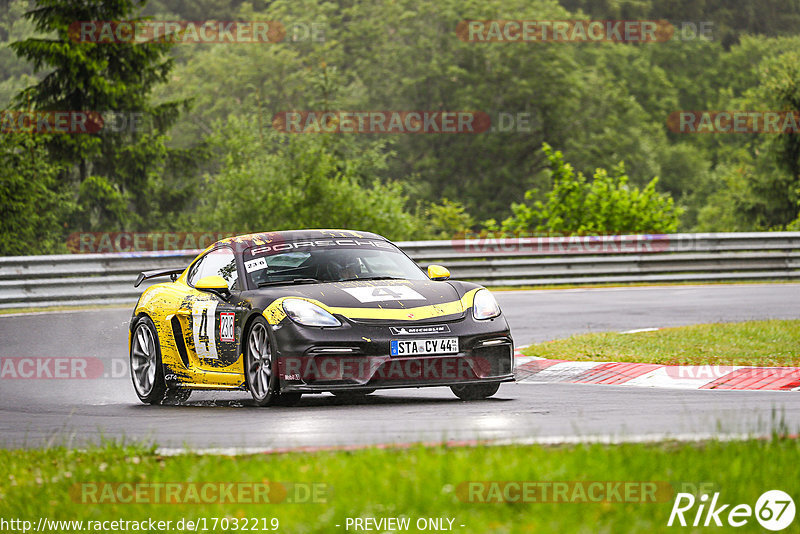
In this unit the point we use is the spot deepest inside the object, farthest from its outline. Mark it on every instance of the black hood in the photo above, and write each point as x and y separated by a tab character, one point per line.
378	299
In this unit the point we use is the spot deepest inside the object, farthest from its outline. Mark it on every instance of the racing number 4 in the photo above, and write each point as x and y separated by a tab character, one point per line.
203	329
386	292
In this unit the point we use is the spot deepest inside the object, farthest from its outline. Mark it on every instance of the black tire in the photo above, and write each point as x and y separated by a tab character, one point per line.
147	373
260	369
471	392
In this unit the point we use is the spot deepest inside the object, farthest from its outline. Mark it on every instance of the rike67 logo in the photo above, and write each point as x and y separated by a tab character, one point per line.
774	510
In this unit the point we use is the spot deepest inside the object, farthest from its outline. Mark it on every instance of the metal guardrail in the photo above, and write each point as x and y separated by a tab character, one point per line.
94	279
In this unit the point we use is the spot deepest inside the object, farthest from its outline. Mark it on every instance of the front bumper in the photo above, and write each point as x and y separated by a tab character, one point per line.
357	356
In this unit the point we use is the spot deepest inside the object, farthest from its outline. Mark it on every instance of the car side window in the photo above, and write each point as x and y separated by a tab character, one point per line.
194	272
221	262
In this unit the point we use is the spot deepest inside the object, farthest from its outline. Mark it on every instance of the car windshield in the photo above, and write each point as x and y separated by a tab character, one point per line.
329	260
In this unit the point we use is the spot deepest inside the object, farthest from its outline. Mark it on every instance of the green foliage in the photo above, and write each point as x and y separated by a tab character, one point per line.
33	200
113	171
274	181
600	103
754	186
417	482
780	90
605	205
448	219
15	74
405	55
730	18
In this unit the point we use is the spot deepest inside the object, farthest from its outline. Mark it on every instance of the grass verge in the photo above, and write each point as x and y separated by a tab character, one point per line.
771	343
416	483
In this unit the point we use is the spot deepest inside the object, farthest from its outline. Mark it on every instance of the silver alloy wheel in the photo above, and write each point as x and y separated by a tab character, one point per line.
259	368
143	360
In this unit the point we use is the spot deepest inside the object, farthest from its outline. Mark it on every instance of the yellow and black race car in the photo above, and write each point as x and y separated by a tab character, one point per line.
280	314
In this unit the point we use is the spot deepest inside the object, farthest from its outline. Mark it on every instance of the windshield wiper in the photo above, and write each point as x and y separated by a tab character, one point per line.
287	282
370	278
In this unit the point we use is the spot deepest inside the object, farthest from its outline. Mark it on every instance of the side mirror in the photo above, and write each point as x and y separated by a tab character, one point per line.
437	272
214	284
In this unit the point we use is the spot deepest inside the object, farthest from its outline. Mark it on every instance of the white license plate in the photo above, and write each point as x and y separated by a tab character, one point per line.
414	347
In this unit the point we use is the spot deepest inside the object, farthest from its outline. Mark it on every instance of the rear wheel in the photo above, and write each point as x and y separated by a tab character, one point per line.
145	363
471	392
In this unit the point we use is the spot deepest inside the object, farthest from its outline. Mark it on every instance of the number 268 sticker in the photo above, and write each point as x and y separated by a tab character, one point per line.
226	320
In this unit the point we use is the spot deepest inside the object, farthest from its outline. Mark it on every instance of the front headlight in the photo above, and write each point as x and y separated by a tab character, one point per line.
484	306
308	314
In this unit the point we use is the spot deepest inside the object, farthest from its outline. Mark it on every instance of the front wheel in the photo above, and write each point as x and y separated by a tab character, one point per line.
470	392
261	369
260	365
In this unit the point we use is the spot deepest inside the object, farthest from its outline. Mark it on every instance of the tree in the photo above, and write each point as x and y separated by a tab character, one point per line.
448	219
14	73
605	205
109	168
274	181
405	55
731	18
780	90
33	203
757	177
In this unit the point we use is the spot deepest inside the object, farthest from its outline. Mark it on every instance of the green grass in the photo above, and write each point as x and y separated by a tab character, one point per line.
417	482
759	343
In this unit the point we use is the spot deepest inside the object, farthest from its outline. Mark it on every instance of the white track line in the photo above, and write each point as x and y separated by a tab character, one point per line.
606	439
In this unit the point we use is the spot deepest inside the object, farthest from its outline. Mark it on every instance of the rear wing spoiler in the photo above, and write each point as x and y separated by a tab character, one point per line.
147	275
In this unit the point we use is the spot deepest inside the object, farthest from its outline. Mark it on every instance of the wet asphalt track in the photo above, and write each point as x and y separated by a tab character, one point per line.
74	412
